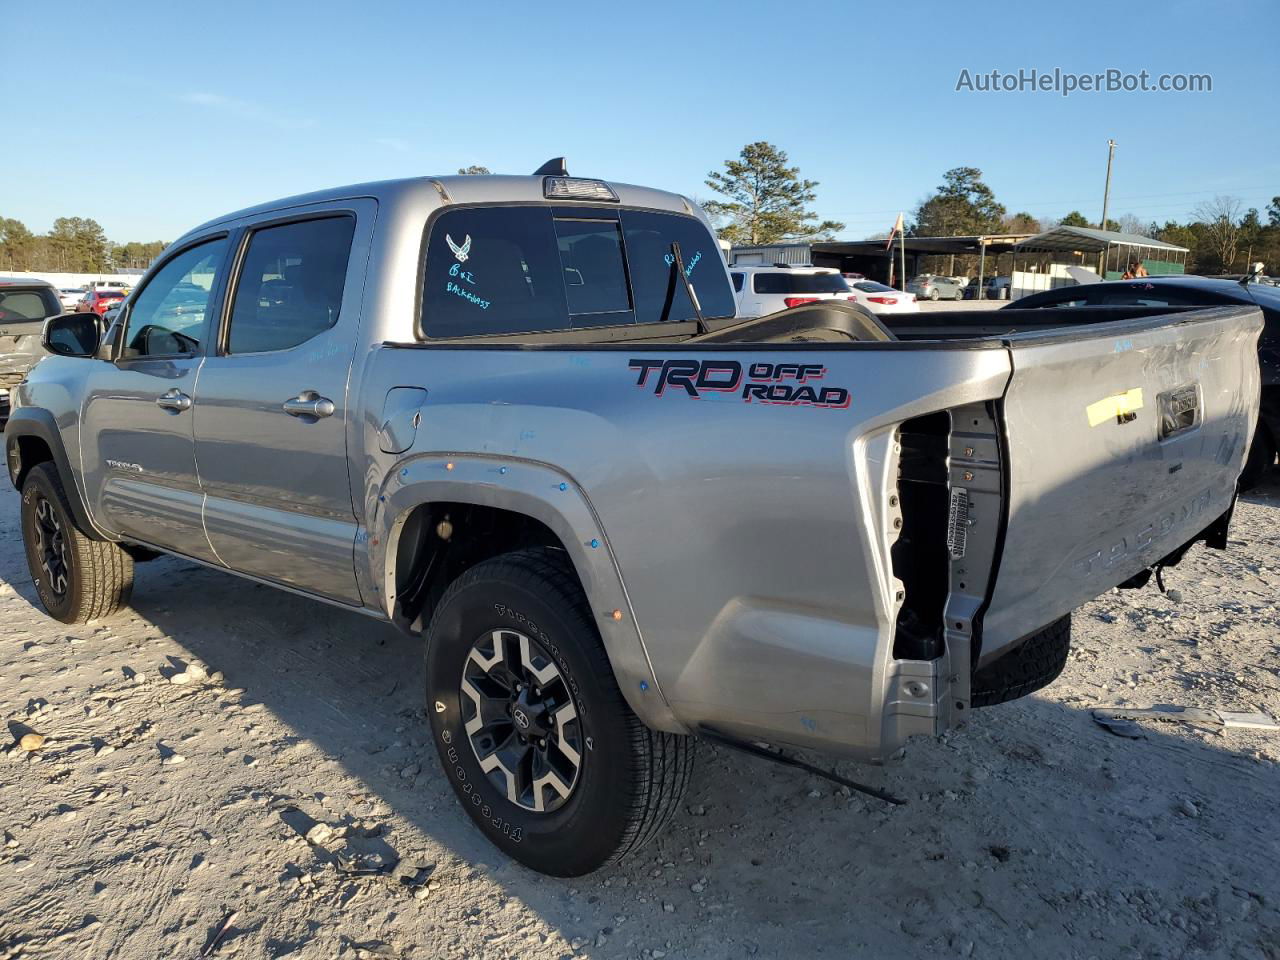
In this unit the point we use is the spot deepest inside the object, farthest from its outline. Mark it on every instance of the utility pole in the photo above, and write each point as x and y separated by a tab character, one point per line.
1106	192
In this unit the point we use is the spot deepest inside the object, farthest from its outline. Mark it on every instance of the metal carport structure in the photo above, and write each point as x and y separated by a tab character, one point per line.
1107	252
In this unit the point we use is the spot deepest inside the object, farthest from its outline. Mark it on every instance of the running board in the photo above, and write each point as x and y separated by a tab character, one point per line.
714	736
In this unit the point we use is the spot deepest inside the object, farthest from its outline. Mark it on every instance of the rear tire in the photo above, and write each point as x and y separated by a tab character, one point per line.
77	579
933	294
1262	457
1033	664
513	650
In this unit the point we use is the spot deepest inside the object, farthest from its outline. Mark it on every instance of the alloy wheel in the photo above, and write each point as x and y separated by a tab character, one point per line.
522	720
51	546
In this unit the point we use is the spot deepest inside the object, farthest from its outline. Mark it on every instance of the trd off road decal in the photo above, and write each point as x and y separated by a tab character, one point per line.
785	383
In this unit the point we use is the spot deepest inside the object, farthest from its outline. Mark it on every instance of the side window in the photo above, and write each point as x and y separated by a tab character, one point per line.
172	313
737	282
290	287
770	283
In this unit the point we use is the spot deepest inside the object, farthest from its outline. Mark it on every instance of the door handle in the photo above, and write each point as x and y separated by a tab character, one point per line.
309	404
174	400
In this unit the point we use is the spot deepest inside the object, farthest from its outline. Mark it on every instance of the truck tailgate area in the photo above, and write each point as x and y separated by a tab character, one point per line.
1118	441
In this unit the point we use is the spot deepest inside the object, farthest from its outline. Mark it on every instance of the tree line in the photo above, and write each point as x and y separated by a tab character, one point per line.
765	200
73	245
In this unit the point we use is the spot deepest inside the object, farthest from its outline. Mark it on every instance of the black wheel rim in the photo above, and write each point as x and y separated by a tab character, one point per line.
522	721
51	546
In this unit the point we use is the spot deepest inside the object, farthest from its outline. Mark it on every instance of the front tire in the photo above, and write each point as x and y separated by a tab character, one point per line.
534	734
77	579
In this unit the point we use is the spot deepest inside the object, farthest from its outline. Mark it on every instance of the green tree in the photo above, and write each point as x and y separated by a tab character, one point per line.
78	245
17	244
1273	212
1221	220
474	170
962	205
1074	219
766	199
1021	222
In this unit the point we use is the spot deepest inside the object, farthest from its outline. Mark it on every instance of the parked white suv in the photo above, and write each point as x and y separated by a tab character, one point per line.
762	290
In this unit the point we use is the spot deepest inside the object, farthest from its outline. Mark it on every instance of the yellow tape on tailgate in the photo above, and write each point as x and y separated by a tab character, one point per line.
1109	408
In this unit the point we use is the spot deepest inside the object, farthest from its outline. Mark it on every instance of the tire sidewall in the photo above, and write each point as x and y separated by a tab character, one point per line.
589	827
38	486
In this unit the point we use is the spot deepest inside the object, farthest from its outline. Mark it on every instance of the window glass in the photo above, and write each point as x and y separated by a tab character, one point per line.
654	280
595	280
1139	297
171	314
737	282
496	270
870	286
290	287
493	270
28	305
786	282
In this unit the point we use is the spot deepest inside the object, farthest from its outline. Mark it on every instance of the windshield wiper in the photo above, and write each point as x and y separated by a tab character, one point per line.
677	264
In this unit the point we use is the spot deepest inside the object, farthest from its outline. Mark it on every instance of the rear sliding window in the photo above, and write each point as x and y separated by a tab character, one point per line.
533	269
783	282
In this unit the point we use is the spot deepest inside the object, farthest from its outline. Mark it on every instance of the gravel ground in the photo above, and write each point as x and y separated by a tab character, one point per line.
226	748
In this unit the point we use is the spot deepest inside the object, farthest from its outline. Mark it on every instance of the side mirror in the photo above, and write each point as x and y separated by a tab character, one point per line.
73	334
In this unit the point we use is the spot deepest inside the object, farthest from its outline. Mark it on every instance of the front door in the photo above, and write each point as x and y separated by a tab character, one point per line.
272	404
136	436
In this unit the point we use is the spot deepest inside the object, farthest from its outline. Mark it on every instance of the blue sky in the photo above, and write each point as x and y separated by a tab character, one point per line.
213	107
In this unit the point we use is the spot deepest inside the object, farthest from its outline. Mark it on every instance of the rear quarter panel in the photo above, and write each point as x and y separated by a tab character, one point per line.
746	543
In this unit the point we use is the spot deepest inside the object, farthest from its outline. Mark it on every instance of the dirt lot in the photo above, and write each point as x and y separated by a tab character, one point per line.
167	796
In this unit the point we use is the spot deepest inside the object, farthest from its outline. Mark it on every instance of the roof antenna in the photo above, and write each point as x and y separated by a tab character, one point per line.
1252	275
552	168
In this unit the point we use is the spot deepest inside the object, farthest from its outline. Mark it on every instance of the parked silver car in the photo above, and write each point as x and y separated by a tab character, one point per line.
929	286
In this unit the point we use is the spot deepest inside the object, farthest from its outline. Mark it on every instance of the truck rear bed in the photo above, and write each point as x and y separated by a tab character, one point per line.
821	538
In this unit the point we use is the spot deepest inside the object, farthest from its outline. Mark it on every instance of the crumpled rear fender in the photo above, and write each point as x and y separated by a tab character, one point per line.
548	495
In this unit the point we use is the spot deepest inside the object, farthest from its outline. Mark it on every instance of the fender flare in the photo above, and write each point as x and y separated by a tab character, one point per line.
551	496
40	423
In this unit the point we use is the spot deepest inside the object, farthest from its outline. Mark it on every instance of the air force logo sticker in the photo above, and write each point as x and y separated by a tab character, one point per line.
461	252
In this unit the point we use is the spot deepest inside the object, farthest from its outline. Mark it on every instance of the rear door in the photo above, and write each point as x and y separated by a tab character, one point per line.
272	403
1125	441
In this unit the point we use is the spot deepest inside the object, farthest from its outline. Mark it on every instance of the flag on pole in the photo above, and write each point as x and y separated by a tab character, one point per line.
896	231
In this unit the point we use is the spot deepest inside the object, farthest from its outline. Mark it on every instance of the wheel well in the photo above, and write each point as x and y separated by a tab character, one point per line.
441	540
29	452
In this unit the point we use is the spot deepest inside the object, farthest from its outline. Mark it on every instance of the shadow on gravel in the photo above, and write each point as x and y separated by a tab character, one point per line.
1031	832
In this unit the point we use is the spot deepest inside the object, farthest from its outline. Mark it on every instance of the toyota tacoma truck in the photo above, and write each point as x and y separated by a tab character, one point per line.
516	416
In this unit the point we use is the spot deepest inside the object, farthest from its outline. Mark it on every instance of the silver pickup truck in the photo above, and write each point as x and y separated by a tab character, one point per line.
517	417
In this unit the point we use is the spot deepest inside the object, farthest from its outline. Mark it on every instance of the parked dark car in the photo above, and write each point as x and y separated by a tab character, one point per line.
1186	292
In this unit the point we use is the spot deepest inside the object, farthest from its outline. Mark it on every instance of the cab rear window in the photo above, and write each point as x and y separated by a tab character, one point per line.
534	269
